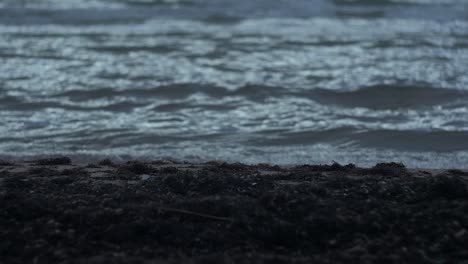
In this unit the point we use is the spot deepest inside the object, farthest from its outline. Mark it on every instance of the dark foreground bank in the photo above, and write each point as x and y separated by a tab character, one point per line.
52	211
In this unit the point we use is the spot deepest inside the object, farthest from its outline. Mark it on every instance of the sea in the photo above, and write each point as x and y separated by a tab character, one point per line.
252	81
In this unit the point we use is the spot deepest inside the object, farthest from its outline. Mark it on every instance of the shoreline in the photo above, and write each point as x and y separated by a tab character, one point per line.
174	212
83	160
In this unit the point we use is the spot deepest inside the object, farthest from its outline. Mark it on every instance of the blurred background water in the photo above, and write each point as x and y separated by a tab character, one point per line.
284	81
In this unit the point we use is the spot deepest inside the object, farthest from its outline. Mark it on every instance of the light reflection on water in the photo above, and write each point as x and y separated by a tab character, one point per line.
291	85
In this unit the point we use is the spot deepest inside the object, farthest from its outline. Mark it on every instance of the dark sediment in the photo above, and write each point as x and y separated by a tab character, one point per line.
167	212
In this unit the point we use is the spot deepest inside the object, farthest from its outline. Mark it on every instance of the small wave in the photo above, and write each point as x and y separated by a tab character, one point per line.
4	55
222	19
75	17
156	2
390	97
179	91
360	14
173	107
336	136
363	2
438	141
399	2
378	97
12	103
163	49
349	137
172	91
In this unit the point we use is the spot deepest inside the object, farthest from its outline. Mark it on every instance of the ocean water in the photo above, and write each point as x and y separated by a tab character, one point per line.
287	82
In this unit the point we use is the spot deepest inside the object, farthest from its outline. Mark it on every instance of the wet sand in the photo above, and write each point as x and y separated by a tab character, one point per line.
54	211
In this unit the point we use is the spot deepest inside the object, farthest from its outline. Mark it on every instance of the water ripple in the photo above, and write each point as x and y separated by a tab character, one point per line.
359	82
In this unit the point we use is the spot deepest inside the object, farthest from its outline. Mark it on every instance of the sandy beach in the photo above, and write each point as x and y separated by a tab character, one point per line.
55	211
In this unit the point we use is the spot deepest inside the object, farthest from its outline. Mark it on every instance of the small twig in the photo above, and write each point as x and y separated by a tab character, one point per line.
182	211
